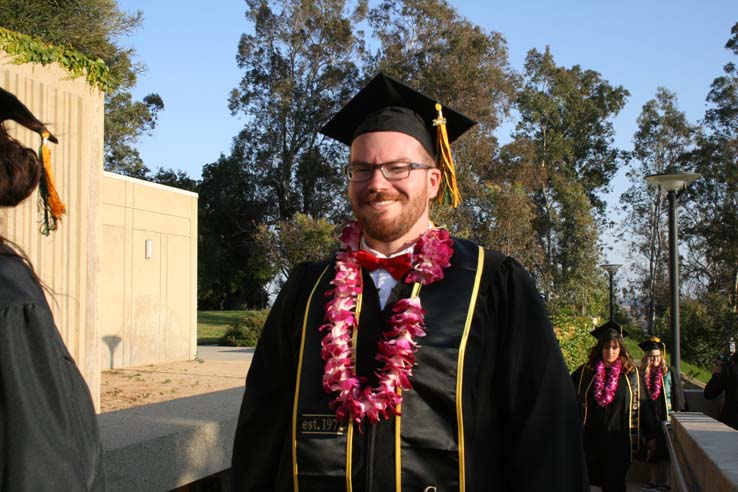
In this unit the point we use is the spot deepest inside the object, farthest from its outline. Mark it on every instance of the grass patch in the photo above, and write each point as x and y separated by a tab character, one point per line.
212	325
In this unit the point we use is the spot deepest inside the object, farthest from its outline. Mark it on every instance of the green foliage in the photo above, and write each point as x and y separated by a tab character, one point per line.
212	325
83	36
712	223
299	239
245	331
574	339
233	268
299	67
26	49
126	121
706	324
563	155
175	178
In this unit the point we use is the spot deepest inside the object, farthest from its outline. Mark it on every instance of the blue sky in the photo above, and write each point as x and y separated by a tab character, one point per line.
189	49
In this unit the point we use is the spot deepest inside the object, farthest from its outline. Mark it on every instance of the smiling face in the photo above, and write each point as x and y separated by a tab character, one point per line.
654	358
393	214
610	352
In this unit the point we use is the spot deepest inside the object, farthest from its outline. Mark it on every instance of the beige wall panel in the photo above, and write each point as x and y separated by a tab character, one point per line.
159	295
161	200
166	224
146	337
69	259
114	312
114	192
114	215
178	335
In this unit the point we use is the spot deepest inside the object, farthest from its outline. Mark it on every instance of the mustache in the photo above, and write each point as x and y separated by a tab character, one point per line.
378	196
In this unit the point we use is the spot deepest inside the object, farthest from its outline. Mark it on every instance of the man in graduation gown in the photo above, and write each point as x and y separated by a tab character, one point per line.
49	439
352	387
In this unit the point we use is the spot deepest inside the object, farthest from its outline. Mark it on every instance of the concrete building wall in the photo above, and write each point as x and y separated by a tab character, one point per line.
68	260
150	303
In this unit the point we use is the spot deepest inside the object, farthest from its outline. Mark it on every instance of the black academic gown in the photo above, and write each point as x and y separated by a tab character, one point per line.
49	438
491	409
615	432
727	381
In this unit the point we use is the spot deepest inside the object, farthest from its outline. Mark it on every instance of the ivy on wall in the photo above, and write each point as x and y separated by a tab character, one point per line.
26	49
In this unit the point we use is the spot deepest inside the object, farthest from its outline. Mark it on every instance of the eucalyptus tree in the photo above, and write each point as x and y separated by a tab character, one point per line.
715	224
430	46
661	143
299	65
563	147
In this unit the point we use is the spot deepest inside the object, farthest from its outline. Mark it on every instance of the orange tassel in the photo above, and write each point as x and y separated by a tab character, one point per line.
52	206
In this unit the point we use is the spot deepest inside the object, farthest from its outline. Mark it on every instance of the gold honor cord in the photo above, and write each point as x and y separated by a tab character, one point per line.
630	412
297	383
460	370
350	432
398	419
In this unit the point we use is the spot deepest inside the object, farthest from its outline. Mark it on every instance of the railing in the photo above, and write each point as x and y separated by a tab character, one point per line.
678	483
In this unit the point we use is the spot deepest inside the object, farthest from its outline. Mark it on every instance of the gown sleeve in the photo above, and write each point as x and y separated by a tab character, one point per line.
49	439
539	405
261	439
714	387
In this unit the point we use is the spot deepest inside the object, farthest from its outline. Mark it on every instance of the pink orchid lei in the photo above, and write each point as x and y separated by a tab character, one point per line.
397	346
605	391
653	382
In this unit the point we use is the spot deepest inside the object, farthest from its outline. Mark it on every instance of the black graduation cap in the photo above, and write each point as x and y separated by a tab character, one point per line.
609	326
386	104
12	109
52	208
653	343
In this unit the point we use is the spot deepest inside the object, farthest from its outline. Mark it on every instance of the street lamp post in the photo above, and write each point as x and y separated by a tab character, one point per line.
674	184
611	269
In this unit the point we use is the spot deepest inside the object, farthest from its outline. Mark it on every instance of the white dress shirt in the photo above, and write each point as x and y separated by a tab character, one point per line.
383	281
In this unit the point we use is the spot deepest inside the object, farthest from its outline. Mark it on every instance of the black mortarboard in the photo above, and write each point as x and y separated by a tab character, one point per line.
653	343
609	326
12	109
386	104
52	208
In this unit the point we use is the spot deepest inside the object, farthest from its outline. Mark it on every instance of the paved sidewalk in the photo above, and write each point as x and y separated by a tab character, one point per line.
216	352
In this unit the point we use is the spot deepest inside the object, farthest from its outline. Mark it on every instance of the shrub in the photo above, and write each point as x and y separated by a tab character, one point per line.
574	339
246	330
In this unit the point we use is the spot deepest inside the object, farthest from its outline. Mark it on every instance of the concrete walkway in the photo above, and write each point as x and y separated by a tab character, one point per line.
216	352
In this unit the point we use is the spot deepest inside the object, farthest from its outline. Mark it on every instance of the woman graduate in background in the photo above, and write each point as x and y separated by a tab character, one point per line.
615	409
49	438
658	383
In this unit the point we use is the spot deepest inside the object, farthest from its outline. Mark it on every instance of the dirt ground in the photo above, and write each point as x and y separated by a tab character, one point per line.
134	386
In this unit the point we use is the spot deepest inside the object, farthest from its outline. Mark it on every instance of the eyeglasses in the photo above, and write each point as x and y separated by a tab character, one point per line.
654	357
392	171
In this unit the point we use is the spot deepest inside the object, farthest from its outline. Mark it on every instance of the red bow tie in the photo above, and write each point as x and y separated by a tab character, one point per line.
397	266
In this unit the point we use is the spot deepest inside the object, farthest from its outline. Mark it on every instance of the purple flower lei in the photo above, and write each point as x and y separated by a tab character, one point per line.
604	392
397	346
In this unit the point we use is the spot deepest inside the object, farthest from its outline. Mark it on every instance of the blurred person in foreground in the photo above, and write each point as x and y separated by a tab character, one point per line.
49	439
616	413
725	379
410	360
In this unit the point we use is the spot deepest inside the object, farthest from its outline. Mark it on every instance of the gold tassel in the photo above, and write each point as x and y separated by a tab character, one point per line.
50	203
449	191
